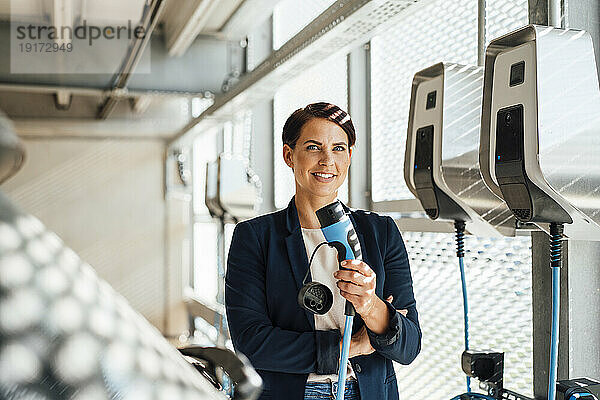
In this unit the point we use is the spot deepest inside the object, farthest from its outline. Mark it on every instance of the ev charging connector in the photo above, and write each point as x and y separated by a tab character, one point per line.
339	233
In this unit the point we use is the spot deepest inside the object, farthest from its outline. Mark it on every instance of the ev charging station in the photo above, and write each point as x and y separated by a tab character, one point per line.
442	150
232	189
539	143
533	154
442	170
232	193
540	133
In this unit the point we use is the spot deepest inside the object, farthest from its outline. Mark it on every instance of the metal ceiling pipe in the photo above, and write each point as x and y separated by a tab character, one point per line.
555	13
178	43
249	15
480	32
150	18
83	91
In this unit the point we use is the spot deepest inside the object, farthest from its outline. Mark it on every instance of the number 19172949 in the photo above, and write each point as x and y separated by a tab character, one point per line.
43	47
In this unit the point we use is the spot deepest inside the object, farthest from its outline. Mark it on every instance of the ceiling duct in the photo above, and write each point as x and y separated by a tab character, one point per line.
150	18
185	21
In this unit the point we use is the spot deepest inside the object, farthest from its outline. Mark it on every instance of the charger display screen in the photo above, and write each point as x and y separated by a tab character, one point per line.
509	134
424	157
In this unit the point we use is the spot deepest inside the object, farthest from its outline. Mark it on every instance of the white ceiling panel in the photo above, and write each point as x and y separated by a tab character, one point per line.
113	11
97	12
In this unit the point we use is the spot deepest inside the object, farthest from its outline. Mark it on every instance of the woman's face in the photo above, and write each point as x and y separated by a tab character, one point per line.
320	159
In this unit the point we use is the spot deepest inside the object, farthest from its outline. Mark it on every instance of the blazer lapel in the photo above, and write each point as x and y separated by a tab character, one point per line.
297	254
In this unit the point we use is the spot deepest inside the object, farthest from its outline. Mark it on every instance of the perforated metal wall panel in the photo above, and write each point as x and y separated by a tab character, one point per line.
327	81
503	16
437	31
498	272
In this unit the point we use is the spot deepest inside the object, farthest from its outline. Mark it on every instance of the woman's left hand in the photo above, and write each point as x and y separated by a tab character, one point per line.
357	285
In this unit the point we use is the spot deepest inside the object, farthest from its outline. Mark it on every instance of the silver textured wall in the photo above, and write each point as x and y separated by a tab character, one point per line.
104	198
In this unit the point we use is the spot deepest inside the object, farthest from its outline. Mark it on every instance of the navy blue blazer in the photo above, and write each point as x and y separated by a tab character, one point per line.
265	267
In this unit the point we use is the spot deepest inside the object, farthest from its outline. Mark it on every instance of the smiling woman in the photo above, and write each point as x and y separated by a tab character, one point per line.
317	146
297	353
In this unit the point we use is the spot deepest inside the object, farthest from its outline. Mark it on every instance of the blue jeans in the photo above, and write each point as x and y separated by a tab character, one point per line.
328	391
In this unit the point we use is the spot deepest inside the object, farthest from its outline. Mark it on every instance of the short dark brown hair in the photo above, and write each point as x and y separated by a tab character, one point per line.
327	111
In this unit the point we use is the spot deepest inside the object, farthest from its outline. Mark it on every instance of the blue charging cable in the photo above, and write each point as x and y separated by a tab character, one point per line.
344	357
585	396
465	312
460	252
556	233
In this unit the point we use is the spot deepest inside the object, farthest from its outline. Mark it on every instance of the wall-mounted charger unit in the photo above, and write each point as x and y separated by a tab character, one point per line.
232	189
442	161
540	128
